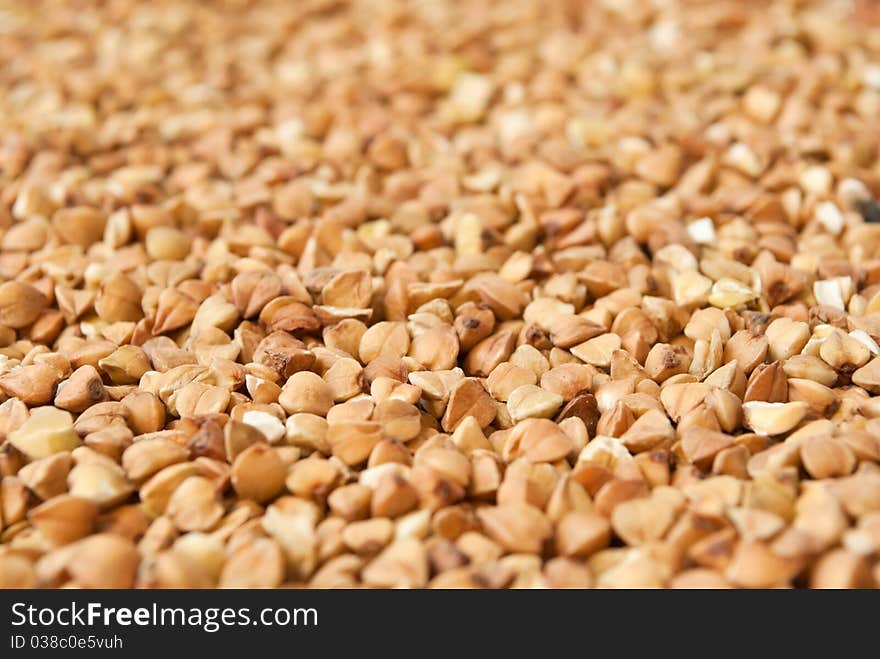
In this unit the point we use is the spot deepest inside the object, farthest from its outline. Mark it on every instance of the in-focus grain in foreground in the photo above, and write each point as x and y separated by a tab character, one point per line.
445	294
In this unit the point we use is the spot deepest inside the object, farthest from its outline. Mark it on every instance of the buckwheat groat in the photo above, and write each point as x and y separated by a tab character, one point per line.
505	294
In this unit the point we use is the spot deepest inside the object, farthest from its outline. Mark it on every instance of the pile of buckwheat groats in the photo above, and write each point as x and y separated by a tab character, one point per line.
444	294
